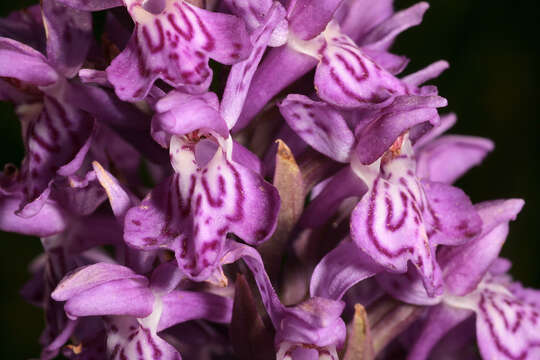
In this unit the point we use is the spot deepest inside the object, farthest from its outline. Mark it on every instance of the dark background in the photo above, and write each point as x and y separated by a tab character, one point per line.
492	85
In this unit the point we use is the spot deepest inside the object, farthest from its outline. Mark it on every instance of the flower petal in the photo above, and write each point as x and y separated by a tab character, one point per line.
180	306
507	328
54	139
21	62
343	185
87	277
383	35
392	121
440	320
446	159
346	77
320	125
118	297
193	211
92	5
69	34
341	269
174	45
465	266
50	220
241	73
451	217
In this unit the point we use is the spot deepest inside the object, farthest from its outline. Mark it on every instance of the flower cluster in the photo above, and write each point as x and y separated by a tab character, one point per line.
305	208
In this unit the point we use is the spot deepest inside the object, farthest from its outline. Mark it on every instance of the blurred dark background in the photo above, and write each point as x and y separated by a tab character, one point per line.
492	85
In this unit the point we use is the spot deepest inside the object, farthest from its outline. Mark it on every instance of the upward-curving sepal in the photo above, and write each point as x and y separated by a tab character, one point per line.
174	43
382	36
192	211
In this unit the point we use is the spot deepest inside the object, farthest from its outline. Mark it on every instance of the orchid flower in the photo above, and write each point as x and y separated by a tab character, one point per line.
216	188
346	75
173	41
135	309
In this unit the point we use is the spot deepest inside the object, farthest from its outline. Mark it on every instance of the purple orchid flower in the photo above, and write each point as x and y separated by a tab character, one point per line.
173	41
216	188
399	203
342	66
476	282
135	309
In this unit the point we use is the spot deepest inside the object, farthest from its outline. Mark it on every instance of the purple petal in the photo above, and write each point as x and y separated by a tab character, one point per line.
390	122
49	221
88	277
390	62
383	35
174	45
58	137
440	320
451	217
180	306
425	135
241	73
465	266
180	114
92	5
507	328
119	297
265	84
446	159
253	14
246	158
428	73
25	26
308	18
407	287
234	251
340	270
358	17
69	33
21	62
80	197
346	77
343	185
320	125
